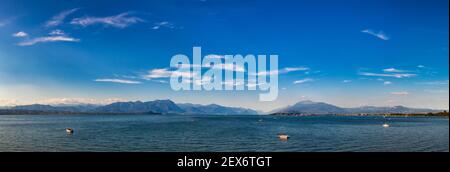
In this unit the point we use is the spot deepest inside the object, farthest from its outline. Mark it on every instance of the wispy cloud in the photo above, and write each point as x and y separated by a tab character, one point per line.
166	73
215	56
381	35
228	67
282	71
346	81
56	32
293	69
158	73
120	81
394	75
393	70
387	83
59	18
233	83
5	22
303	81
122	20
163	24
20	34
253	84
400	93
48	39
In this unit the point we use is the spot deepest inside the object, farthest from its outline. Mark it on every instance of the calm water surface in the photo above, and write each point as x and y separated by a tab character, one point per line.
221	133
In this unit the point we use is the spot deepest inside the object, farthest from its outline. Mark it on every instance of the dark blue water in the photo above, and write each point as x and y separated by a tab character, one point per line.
221	133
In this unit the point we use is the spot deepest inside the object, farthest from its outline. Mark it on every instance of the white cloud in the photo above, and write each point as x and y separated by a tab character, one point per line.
401	93
253	84
234	83
158	73
293	69
420	66
381	35
164	24
48	39
189	66
393	70
59	18
303	81
122	20
215	56
395	75
346	81
282	71
387	82
160	81
265	73
120	81
229	67
5	22
56	32
166	73
20	34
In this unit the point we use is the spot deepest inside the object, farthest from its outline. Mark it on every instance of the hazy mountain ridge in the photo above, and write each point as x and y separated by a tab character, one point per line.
320	108
215	109
156	106
170	107
62	108
309	107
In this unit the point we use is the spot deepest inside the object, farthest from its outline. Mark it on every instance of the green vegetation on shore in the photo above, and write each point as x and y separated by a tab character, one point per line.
437	114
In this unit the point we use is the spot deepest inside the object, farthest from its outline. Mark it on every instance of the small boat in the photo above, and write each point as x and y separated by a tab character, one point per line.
69	130
283	136
386	125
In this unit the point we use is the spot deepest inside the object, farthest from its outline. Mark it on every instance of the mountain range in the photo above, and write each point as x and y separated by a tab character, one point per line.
157	106
170	107
320	108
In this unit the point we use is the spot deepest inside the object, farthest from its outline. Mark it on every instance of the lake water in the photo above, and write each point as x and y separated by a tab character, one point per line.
221	133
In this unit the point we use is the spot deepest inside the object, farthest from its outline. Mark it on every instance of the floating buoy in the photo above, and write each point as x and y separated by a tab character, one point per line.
283	137
386	125
69	131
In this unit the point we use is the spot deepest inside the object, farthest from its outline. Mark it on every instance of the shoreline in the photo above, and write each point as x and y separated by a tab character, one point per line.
437	114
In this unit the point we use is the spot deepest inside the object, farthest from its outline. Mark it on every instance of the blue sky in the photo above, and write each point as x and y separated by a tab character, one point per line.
382	53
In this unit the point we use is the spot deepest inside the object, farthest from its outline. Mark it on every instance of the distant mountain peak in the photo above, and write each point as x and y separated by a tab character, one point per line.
317	108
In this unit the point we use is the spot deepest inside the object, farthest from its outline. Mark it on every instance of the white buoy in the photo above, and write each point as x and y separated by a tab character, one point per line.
386	125
283	137
69	131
